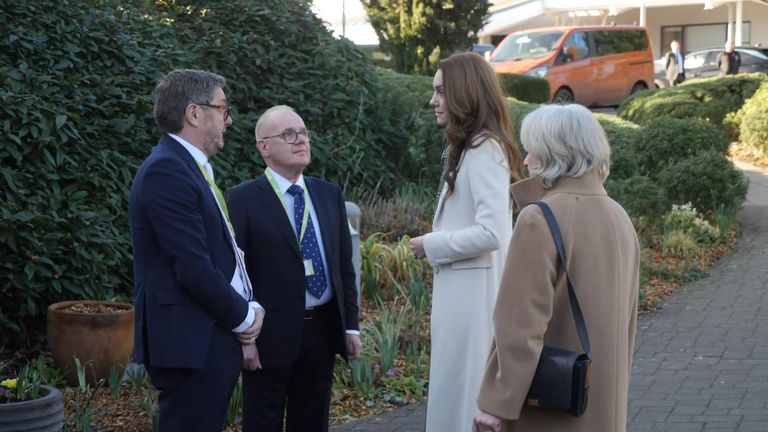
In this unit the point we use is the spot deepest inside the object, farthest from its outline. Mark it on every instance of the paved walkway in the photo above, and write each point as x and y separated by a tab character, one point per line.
701	361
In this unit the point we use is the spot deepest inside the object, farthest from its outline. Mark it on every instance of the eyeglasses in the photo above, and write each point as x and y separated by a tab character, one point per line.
290	136
221	108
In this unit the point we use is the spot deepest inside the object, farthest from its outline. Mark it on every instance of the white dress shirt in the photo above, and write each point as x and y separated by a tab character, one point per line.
283	184
237	281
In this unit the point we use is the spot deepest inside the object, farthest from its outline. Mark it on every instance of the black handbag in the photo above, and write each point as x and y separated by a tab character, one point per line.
562	377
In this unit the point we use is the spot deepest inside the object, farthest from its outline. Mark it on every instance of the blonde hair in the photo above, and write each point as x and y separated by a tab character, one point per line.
567	140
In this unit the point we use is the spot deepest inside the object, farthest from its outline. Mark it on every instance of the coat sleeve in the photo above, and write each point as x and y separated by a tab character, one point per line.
347	267
523	310
172	205
489	187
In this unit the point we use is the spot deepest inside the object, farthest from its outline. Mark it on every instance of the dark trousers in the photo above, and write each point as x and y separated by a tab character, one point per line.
304	387
197	399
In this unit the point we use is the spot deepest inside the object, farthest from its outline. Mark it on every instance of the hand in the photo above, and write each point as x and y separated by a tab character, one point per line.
484	422
354	346
248	337
251	359
417	246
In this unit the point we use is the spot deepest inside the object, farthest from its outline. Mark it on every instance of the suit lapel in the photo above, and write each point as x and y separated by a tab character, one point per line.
180	151
324	213
274	208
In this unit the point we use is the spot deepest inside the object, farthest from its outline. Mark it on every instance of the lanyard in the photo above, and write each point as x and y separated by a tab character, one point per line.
305	216
219	198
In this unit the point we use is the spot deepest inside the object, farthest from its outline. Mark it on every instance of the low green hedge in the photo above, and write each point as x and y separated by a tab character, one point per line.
667	140
707	180
639	195
708	99
754	120
525	88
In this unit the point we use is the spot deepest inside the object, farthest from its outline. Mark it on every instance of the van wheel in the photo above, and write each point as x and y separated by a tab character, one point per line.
563	96
637	87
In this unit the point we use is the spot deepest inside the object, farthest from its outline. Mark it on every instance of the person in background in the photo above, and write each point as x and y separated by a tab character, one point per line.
568	160
729	61
675	65
470	233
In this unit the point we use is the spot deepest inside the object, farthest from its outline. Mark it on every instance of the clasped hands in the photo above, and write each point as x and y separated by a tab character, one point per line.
247	341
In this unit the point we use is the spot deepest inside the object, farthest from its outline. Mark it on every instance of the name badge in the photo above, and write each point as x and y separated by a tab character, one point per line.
309	269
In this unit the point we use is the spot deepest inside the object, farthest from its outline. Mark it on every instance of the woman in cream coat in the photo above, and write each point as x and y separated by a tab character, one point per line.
471	231
568	158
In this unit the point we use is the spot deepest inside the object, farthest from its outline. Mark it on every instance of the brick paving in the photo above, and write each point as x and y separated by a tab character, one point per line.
701	361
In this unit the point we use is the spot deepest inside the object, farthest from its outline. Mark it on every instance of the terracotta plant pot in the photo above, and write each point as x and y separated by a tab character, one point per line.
99	333
44	414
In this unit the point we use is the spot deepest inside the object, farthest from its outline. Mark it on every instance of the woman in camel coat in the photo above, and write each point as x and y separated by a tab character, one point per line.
568	158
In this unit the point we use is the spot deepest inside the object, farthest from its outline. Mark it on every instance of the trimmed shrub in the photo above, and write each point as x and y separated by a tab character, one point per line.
754	121
525	88
620	133
668	140
639	196
708	181
708	99
411	123
517	110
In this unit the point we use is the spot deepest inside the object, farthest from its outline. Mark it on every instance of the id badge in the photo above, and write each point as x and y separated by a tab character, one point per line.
309	269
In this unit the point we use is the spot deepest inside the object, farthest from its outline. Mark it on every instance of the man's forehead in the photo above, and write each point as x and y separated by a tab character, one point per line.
284	119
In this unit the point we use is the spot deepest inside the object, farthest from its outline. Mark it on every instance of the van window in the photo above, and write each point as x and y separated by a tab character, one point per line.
518	46
577	46
619	41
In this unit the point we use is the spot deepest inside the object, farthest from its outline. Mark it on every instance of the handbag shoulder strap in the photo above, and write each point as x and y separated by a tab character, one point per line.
578	318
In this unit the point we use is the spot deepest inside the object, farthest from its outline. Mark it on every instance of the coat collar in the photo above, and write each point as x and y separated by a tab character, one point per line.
531	189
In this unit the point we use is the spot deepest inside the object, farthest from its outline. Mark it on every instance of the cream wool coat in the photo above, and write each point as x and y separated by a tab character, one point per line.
471	231
533	308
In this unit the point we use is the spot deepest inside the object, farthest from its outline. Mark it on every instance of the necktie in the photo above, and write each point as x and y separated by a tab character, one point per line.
207	170
310	249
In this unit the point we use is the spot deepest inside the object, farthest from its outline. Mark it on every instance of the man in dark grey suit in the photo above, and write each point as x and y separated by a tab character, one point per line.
298	253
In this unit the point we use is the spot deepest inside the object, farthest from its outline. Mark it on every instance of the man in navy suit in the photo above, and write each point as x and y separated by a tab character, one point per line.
192	290
298	253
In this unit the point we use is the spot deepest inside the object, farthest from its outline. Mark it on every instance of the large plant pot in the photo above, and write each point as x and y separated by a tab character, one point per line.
100	340
44	414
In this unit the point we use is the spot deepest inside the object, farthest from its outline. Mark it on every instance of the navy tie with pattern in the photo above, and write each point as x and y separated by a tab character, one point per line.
310	249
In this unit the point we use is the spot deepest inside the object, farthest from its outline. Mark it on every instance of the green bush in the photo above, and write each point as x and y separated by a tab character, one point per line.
754	121
708	181
517	110
686	219
621	135
525	88
75	90
667	140
708	99
411	123
640	196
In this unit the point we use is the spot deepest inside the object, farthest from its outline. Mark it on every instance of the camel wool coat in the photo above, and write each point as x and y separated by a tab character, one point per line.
533	310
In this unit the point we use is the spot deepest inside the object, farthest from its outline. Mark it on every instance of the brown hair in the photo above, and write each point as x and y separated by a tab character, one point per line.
474	102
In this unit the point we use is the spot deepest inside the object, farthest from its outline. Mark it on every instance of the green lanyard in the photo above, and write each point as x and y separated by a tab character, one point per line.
219	197
305	216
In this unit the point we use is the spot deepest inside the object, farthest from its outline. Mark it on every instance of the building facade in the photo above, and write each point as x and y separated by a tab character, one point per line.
696	24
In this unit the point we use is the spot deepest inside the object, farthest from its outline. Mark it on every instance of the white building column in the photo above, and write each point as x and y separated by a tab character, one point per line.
642	15
730	22
739	21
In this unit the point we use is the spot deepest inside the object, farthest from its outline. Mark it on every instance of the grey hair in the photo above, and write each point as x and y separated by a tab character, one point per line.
567	140
258	130
179	88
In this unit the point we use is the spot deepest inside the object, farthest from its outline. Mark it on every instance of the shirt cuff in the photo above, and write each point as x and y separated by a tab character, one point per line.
249	318
353	332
